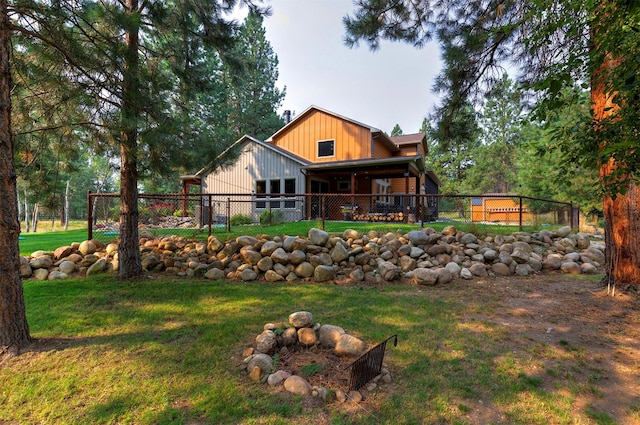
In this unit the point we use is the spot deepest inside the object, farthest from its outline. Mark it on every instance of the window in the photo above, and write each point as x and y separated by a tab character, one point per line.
290	189
326	148
274	187
344	185
261	189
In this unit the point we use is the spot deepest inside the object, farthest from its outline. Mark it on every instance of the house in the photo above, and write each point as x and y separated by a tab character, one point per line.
321	152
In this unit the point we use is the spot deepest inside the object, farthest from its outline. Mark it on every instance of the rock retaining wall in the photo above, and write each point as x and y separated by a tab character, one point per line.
423	257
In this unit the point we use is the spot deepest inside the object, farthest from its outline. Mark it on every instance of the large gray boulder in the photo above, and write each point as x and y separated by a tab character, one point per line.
318	237
425	277
323	273
417	237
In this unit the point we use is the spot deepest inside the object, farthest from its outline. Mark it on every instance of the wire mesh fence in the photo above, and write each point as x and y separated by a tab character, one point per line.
200	215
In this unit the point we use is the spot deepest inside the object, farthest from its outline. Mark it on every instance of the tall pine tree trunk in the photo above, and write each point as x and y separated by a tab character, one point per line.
14	330
622	214
129	262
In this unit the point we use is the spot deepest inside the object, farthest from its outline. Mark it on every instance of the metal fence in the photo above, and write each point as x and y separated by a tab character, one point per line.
200	215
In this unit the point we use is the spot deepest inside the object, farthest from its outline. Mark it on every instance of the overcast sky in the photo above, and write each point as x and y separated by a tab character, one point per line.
383	88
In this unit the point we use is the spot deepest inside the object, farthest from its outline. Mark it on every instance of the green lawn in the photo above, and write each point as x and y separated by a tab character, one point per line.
163	351
49	241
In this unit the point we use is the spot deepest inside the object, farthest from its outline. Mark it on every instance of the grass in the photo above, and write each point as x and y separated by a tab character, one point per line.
49	241
164	351
301	228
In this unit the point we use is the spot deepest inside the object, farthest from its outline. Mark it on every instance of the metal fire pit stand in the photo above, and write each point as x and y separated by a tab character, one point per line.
368	366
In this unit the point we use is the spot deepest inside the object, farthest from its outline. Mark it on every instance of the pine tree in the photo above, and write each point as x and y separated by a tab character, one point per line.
396	131
494	160
254	97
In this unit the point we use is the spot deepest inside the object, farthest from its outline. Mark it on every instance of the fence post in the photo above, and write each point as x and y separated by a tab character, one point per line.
421	210
322	201
228	215
571	215
89	216
210	214
520	214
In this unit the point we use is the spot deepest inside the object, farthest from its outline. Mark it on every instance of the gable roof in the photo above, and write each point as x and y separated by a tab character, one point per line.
220	159
375	132
411	139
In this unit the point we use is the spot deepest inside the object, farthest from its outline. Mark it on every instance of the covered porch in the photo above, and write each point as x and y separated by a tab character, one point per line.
358	177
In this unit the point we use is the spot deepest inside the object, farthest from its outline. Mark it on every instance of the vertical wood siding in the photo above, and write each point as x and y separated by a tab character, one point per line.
352	141
380	150
254	163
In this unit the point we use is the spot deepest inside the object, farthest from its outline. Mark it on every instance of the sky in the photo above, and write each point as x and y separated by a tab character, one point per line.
380	89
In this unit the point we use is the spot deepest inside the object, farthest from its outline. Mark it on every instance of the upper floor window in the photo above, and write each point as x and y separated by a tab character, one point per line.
326	148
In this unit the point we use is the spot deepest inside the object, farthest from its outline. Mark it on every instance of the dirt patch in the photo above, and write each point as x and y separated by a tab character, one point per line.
581	331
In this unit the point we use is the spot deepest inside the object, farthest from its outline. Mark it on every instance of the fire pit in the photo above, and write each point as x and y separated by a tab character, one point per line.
310	359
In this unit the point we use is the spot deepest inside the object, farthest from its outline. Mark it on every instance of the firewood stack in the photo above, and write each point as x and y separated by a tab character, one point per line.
394	216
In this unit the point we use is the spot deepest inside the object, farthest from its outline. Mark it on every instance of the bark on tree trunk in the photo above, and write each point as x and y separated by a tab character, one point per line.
66	207
14	330
129	263
622	214
26	212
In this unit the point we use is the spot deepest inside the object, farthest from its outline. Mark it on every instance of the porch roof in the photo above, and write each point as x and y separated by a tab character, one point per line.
382	167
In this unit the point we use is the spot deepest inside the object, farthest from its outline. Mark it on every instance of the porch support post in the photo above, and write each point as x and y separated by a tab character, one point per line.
308	196
185	191
405	218
353	191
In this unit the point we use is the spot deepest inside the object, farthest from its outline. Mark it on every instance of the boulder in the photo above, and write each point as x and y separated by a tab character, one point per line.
87	247
304	270
329	335
97	267
570	267
279	255
444	275
246	241
264	264
307	337
215	274
301	319
349	345
323	273
297	385
268	247
318	237
339	253
297	257
272	276
426	277
501	269
277	378
62	252
478	269
260	360
266	342
417	237
57	275
248	275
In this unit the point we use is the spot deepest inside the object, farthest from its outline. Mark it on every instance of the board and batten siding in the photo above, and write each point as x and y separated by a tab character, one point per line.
381	151
352	141
256	162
